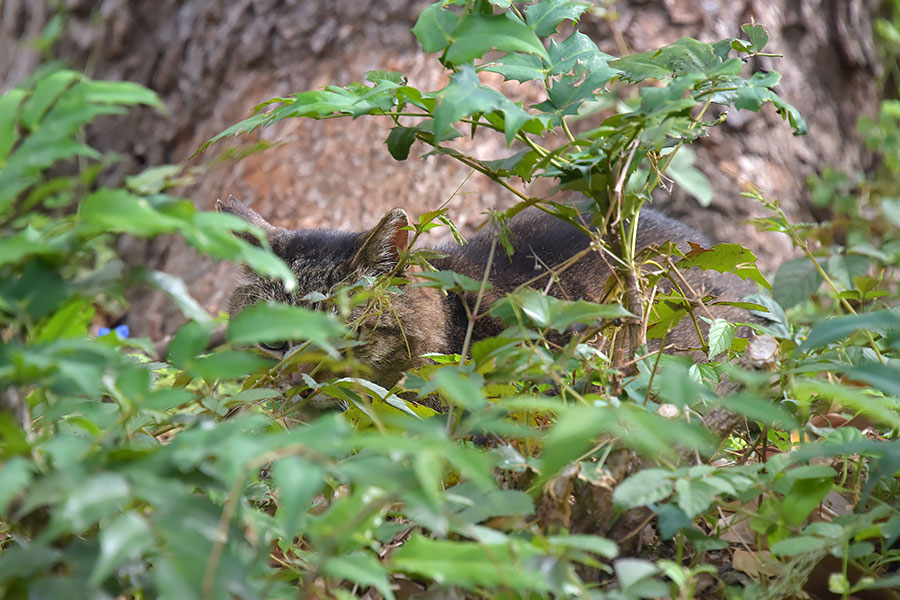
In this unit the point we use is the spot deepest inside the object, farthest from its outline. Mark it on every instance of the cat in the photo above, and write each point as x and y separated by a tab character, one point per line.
423	320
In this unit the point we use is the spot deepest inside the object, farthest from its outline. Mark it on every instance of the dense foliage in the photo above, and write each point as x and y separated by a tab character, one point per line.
135	470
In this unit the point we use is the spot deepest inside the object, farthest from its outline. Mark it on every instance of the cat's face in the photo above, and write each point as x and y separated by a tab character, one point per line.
320	259
322	262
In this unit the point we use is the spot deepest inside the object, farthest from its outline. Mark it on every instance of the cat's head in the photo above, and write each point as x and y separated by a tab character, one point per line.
321	259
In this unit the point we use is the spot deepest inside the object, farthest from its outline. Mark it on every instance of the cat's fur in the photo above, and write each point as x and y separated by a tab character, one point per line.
423	320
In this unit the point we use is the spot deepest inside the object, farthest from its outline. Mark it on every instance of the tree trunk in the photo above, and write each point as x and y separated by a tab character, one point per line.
211	62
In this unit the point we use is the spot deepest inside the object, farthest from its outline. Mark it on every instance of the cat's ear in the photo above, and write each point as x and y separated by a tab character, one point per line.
381	246
233	206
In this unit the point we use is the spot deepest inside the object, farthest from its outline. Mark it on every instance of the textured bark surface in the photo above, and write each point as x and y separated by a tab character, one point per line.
212	61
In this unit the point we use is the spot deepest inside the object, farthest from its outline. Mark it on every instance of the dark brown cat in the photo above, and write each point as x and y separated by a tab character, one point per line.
422	320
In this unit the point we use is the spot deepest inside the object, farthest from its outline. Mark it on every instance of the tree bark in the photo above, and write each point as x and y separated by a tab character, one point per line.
211	62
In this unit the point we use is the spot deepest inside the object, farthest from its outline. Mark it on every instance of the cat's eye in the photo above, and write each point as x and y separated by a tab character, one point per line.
274	346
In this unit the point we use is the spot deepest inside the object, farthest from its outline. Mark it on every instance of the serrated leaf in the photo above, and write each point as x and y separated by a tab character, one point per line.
465	96
477	34
725	258
434	26
721	335
518	67
546	16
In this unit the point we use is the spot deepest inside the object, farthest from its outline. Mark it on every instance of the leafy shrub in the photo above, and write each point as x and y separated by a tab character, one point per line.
122	477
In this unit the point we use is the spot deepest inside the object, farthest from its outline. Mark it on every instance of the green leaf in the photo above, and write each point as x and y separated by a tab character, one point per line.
721	335
589	543
759	409
399	141
884	410
189	341
267	322
15	476
70	321
672	520
831	330
480	504
227	364
795	281
298	481
361	568
758	35
634	574
175	289
885	377
248	125
434	26
465	96
725	258
45	93
450	281
644	487
117	92
518	67
209	233
694	496
570	437
843	268
17	246
93	499
9	112
689	177
546	16
462	389
125	539
117	210
803	498
578	48
547	311
471	564
796	546
477	34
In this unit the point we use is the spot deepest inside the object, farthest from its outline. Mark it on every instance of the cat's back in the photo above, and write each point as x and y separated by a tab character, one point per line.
542	242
